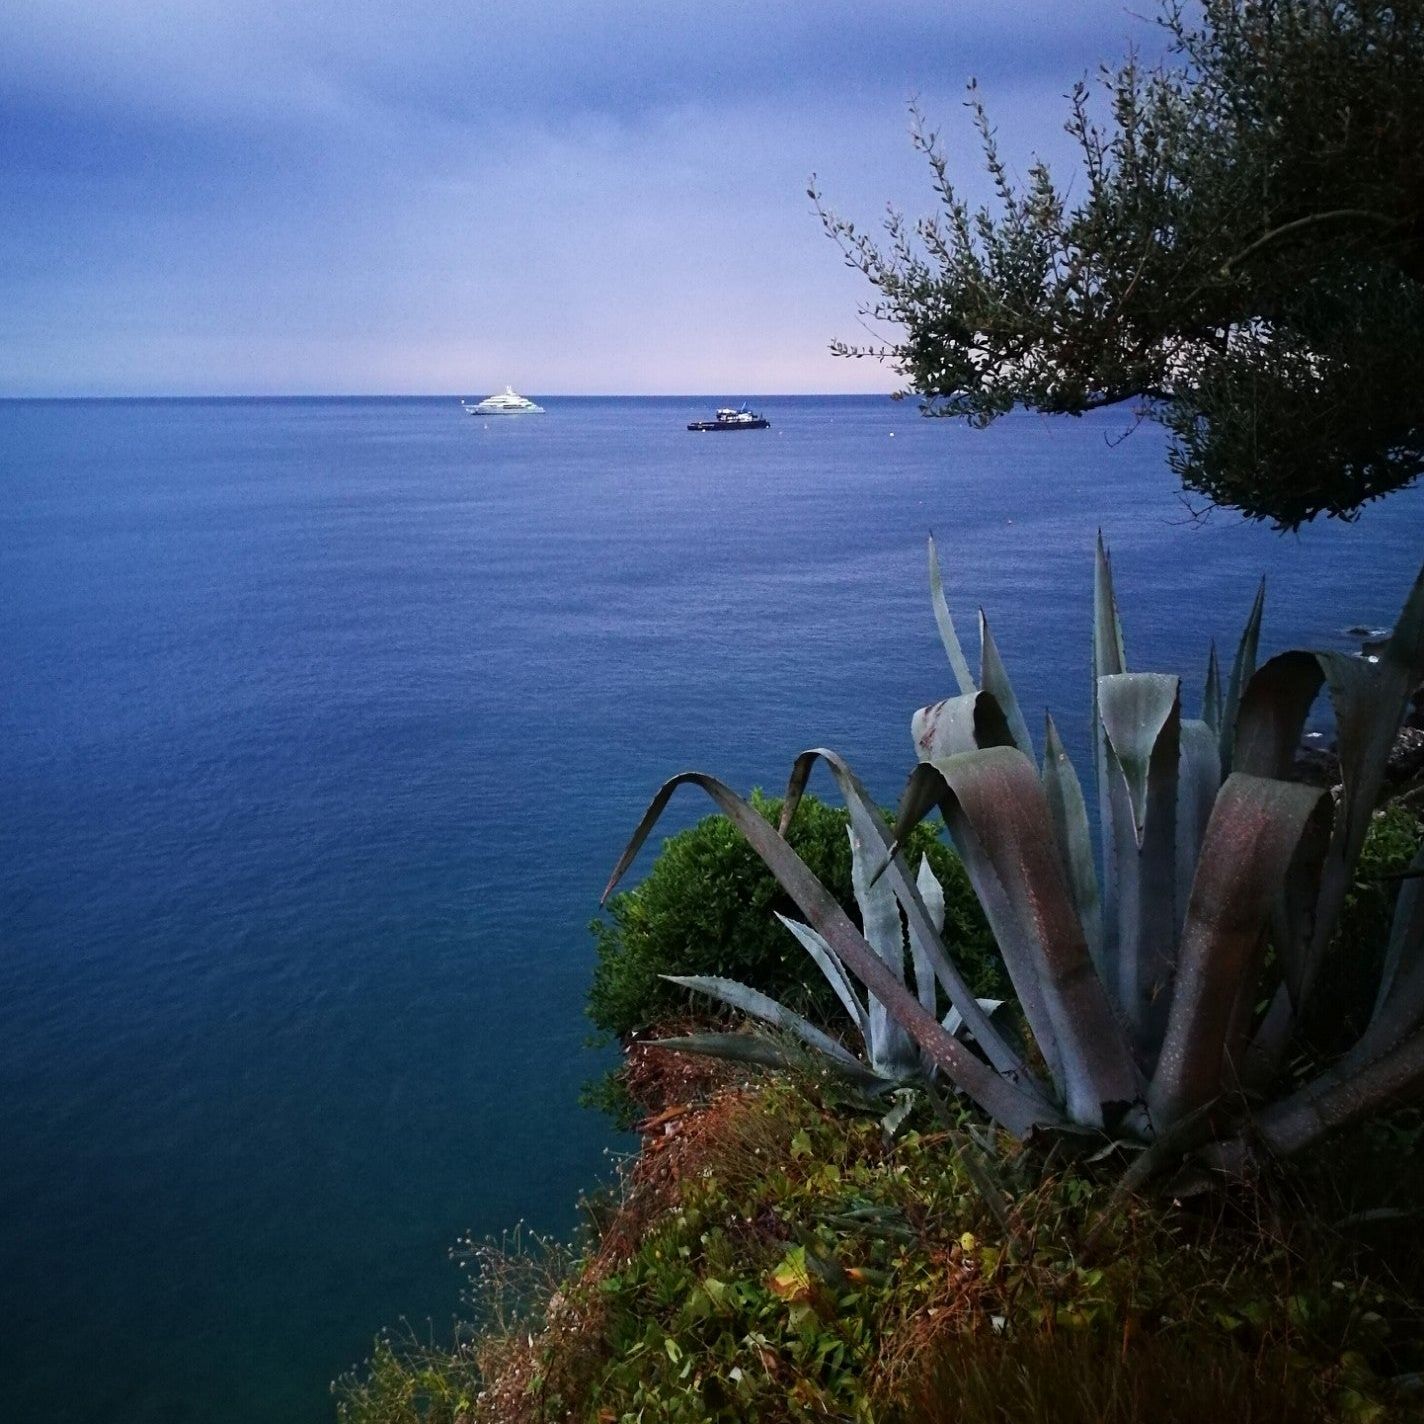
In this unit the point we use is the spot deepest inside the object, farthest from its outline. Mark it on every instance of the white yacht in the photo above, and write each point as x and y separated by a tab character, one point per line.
507	402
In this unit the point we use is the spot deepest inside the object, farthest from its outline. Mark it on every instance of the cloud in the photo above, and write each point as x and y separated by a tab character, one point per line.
321	59
248	197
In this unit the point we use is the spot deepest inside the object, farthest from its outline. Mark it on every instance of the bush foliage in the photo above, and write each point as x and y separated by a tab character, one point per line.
708	906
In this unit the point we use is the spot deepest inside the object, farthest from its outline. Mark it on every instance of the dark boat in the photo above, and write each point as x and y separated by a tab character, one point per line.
729	419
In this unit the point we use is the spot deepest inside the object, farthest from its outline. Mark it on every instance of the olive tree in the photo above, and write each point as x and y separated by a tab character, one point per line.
1241	258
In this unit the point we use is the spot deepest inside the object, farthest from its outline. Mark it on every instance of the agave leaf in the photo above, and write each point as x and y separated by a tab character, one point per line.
1198	781
894	1120
995	1008
1070	825
1367	716
1109	659
826	961
764	1007
1241	670
879	914
932	893
1272	713
1269	727
926	791
959	724
1211	694
1343	1094
891	1051
1109	655
1405	650
1369	701
1141	719
1293	916
1137	710
870	825
748	1048
947	635
1000	822
1399	1005
1255	828
736	1047
1018	1109
921	953
995	679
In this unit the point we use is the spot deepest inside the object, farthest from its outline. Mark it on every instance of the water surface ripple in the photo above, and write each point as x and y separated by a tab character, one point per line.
323	723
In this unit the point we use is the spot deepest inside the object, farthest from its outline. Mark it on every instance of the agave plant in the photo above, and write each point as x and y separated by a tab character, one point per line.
1140	970
890	1055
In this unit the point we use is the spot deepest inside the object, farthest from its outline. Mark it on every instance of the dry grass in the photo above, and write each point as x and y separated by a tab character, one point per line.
658	1078
678	1145
701	1116
1085	1379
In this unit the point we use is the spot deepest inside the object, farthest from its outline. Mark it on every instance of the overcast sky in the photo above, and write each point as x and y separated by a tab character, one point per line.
294	196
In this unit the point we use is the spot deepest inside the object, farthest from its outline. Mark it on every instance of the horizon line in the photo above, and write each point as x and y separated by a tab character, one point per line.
456	395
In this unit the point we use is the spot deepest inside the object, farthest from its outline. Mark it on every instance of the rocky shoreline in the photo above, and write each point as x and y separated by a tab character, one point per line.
1319	764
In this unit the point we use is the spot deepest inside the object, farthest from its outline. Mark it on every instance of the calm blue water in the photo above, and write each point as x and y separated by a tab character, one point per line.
322	724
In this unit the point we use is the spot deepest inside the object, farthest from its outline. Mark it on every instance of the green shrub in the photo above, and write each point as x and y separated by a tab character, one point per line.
408	1381
708	906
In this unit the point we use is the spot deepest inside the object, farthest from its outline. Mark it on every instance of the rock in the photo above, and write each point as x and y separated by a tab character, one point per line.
1320	766
1414	717
1406	758
1317	766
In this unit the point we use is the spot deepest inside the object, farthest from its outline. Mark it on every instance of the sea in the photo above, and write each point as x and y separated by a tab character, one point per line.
323	722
